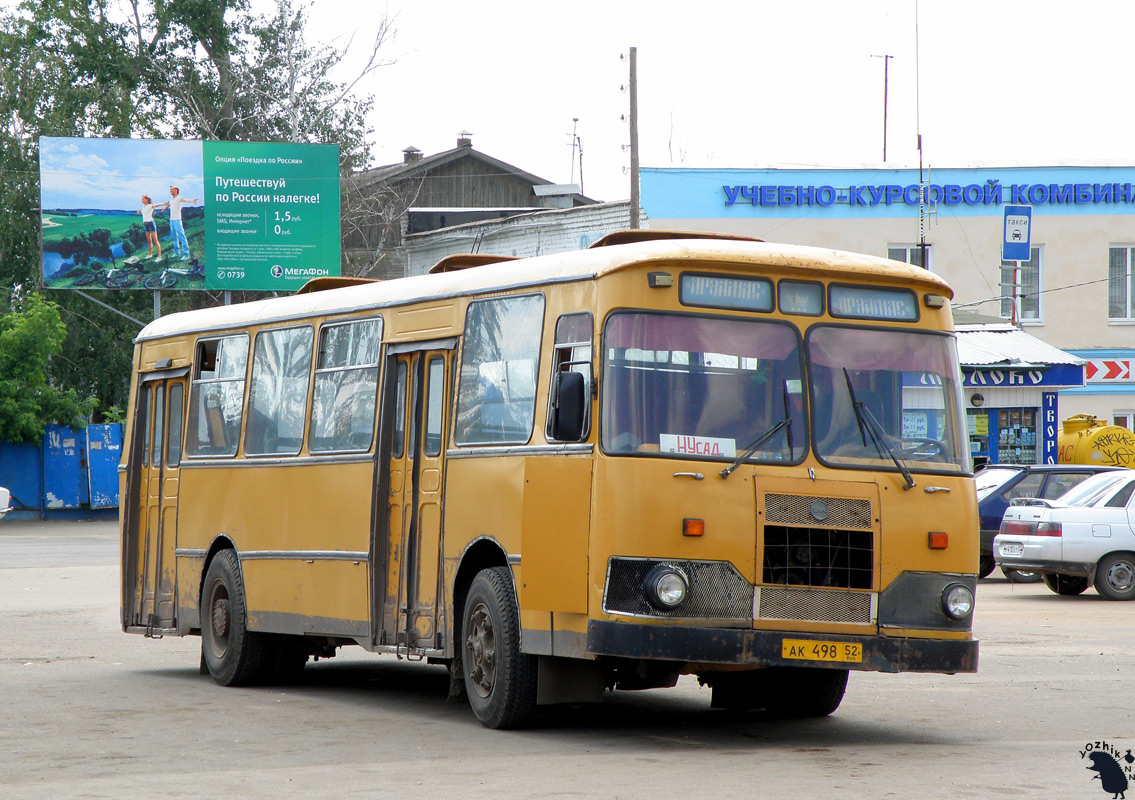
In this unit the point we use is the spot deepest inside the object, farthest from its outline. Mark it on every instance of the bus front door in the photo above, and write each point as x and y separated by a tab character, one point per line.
418	416
164	401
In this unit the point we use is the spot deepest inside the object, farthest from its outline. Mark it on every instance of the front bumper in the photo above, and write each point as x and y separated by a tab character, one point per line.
749	647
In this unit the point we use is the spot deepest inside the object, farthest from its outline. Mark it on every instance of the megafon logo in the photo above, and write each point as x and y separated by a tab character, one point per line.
299	272
1113	768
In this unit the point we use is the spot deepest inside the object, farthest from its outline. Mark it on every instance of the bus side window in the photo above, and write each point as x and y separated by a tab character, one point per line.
496	399
217	396
572	354
346	386
277	396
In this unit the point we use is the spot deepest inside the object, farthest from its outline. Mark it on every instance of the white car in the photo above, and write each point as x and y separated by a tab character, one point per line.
1087	535
5	497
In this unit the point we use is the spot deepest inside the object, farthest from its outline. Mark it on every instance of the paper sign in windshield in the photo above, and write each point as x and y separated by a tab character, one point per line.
696	445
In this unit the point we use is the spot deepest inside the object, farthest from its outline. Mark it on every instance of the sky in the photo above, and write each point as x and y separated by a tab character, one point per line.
743	83
794	83
113	174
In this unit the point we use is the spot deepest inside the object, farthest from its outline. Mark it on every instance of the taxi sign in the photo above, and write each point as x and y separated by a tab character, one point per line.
1016	243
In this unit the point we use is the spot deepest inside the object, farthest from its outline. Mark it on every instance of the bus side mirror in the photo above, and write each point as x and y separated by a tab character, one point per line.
571	393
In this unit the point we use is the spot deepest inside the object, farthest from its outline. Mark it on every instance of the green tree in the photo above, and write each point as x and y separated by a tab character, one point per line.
127	68
29	337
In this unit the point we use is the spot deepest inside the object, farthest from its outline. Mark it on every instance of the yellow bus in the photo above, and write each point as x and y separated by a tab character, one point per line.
668	454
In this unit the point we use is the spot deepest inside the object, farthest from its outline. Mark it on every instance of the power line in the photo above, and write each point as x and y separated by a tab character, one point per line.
1032	294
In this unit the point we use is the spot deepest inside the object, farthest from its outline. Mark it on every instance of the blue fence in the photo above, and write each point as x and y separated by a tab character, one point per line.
72	474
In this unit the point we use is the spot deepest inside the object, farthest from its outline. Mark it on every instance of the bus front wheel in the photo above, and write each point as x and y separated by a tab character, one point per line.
234	655
499	680
781	691
807	692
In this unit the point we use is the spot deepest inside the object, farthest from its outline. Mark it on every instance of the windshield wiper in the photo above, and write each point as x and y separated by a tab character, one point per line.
869	426
786	422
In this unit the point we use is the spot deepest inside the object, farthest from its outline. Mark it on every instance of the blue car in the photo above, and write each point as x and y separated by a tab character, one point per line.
998	484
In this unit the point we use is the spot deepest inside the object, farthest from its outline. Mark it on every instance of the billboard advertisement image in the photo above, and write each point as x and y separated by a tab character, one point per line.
154	214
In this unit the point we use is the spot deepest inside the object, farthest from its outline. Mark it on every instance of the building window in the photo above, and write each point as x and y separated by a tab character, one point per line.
911	254
1120	300
1030	287
1016	436
1124	419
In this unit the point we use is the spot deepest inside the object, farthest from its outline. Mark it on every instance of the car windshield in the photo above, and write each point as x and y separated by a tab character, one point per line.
886	395
702	387
1092	490
988	479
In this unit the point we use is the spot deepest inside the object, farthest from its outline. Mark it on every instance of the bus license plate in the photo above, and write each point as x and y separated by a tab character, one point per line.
807	650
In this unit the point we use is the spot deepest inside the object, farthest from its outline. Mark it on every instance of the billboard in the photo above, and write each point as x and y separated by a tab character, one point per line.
157	214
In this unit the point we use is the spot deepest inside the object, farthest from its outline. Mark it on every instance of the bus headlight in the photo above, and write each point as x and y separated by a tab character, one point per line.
666	587
958	601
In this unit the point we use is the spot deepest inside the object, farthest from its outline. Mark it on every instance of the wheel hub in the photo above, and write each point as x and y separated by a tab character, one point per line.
221	618
1120	576
481	650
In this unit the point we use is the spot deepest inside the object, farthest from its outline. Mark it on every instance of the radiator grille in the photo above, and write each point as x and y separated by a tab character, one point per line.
818	557
717	590
834	512
813	605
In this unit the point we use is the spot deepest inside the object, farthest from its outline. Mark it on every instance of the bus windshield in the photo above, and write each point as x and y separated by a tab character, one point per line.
702	387
886	399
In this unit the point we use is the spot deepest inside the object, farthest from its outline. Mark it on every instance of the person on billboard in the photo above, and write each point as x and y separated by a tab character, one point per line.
152	241
176	229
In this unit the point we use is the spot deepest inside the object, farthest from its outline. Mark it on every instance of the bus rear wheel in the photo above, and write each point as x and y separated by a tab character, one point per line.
499	680
234	655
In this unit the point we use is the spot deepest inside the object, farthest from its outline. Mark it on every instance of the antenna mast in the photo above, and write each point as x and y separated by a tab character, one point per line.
574	144
634	138
886	83
918	128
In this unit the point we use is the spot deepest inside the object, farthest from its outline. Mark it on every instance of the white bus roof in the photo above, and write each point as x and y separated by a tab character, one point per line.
529	272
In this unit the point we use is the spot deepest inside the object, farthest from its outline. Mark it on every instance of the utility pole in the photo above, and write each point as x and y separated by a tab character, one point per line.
886	81
634	138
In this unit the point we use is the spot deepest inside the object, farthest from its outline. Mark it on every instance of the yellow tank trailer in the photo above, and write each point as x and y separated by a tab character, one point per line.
1088	440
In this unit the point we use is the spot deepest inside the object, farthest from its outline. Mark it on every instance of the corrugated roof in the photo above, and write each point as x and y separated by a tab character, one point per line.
1001	344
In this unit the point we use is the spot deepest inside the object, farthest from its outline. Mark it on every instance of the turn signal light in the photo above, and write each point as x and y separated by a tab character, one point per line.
939	540
693	527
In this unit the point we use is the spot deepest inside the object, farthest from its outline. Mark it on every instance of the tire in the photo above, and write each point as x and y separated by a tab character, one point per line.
121	280
287	660
802	692
986	566
1016	576
234	655
162	280
792	692
1115	576
739	691
499	680
87	279
1067	585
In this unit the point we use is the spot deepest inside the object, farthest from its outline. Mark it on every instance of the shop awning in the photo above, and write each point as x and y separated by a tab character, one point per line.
1002	345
